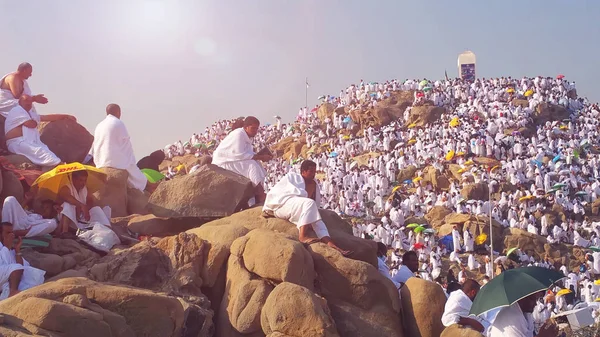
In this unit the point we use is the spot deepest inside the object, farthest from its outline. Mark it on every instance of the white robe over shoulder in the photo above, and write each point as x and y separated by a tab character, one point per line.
512	322
235	154
8	101
31	276
97	214
458	305
289	200
21	220
29	144
112	148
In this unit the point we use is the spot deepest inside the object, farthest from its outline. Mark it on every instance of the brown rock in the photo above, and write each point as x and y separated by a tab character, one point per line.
51	263
157	226
11	186
527	242
352	321
325	111
438	180
479	191
437	213
210	192
21	162
549	112
460	331
295	311
114	192
66	307
137	201
406	173
423	305
424	114
520	102
70	141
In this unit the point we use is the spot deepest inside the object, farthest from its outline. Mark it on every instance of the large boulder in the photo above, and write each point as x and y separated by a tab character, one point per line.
437	179
157	226
73	307
172	265
479	191
545	112
114	192
437	214
528	242
295	311
325	111
11	186
137	201
424	114
70	141
387	110
208	192
423	306
406	173
59	256
456	330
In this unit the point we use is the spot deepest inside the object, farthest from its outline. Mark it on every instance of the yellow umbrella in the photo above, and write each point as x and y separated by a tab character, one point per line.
460	153
510	90
454	122
180	167
410	126
462	170
494	168
412	141
563	127
480	239
563	292
469	162
527	197
528	93
396	188
52	181
417	179
597	299
346	137
450	155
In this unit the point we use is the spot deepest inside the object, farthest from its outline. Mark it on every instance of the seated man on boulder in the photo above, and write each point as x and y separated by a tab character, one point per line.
14	85
235	153
459	304
23	137
296	198
29	224
112	148
77	208
15	272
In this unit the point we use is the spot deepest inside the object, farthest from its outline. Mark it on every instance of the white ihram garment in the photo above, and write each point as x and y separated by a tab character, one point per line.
8	101
21	220
235	154
112	148
31	276
29	144
97	214
512	322
289	200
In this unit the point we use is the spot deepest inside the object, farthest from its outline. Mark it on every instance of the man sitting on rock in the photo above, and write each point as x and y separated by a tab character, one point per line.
459	304
235	153
29	224
15	272
14	85
23	137
77	208
296	198
112	148
410	265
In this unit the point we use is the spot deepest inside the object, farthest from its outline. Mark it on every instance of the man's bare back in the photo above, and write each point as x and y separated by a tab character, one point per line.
13	83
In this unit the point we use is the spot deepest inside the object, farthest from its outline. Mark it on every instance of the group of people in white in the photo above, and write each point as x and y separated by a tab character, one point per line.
72	208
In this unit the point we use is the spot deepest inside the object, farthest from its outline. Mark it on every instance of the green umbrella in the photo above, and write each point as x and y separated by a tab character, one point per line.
423	83
510	251
582	193
413	225
152	175
513	285
419	229
594	248
427	89
559	186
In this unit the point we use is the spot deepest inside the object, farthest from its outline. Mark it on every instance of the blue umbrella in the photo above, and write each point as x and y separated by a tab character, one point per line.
555	159
407	181
347	120
537	162
333	154
373	94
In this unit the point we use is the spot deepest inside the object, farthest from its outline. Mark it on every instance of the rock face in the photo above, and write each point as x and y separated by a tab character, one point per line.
67	307
325	111
386	110
460	331
549	112
292	310
478	191
437	179
59	256
209	192
11	186
424	114
114	193
423	305
406	173
157	226
70	141
137	201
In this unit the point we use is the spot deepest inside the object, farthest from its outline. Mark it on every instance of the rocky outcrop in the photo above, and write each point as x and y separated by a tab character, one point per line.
114	192
208	192
424	114
479	191
70	141
545	112
437	179
11	186
61	255
158	226
325	111
436	215
423	305
67	307
406	173
387	110
460	331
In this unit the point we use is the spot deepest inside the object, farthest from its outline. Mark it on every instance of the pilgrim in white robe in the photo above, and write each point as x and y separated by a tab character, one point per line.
456	240
472	263
97	214
512	322
112	148
8	101
289	200
469	241
458	305
402	275
8	264
235	154
29	144
21	220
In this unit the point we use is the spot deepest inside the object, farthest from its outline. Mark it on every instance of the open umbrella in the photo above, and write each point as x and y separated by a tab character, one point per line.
512	250
410	126
559	186
480	239
200	146
513	285
510	90
417	179
450	155
581	193
429	231
594	248
454	122
51	182
556	158
528	93
427	89
560	76
419	245
563	292
412	141
396	188
419	229
152	175
333	154
526	198
413	225
597	282
423	83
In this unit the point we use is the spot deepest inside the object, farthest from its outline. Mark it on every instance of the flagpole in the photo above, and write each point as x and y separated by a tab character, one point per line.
306	93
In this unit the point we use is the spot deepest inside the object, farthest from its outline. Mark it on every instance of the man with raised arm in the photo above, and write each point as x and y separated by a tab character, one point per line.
14	85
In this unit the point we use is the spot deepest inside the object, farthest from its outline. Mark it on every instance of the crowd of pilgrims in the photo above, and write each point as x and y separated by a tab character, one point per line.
486	111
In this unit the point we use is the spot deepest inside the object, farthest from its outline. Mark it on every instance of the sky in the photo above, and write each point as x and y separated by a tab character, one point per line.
175	67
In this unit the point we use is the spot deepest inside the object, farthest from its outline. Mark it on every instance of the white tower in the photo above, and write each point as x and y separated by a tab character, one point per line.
466	65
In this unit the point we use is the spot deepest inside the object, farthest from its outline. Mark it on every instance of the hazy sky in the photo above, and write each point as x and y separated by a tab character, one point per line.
177	66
